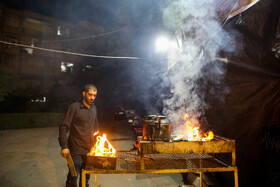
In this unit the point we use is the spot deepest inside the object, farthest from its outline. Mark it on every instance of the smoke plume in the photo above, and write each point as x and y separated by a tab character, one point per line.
195	70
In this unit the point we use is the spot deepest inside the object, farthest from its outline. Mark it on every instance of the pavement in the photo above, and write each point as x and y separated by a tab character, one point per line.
31	158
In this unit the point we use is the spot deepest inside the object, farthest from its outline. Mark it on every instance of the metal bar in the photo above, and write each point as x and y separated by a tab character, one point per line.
201	171
236	177
233	157
141	160
95	180
160	171
218	137
187	147
83	178
201	179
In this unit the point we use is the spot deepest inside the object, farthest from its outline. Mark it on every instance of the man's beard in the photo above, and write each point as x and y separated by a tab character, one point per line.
88	101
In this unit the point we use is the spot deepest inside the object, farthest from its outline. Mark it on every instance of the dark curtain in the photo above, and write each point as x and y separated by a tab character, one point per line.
252	107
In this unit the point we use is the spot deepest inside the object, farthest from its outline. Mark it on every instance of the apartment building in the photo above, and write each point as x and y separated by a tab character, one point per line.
42	68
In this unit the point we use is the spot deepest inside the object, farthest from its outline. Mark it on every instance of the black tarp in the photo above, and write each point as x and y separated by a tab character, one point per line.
251	111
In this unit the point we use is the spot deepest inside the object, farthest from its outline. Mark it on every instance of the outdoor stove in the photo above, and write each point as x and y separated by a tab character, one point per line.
154	156
217	145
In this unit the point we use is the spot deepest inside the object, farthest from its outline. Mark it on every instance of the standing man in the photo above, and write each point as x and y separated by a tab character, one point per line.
76	132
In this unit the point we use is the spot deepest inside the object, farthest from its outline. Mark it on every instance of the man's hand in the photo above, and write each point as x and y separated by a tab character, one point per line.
65	152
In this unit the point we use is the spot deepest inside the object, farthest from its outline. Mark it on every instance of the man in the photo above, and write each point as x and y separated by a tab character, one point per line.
80	122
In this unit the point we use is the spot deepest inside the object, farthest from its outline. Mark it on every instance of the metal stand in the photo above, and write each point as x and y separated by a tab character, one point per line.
128	163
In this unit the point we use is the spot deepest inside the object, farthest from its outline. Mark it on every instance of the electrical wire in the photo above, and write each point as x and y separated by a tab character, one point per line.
85	37
71	53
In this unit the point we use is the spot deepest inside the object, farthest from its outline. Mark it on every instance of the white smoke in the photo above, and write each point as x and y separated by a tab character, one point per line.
196	70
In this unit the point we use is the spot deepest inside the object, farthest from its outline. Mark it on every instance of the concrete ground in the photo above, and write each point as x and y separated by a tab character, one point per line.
31	157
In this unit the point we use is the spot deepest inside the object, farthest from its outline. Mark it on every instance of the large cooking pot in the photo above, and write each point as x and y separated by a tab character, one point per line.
156	128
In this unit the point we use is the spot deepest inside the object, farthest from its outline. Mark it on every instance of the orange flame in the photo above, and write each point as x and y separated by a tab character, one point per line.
193	132
186	116
208	137
102	147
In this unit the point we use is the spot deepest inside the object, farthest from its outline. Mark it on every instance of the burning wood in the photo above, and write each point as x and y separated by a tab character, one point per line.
208	137
102	147
102	155
193	133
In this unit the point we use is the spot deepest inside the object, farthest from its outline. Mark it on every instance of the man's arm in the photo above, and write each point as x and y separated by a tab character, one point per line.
64	128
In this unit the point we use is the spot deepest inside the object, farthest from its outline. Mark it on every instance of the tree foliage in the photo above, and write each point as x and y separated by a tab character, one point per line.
9	84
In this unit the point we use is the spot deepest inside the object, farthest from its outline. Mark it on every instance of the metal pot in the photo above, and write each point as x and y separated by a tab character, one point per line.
156	128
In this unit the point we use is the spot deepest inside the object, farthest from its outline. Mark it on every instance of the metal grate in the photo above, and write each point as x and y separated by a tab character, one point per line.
129	161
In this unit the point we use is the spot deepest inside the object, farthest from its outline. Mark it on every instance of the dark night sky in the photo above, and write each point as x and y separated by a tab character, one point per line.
105	13
68	10
144	18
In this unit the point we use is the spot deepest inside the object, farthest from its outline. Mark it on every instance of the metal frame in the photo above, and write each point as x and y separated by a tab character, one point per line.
217	145
132	162
201	171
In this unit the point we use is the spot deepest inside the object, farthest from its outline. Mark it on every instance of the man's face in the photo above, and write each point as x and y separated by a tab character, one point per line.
89	96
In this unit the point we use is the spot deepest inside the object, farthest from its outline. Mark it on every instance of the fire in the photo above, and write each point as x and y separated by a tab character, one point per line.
193	132
208	137
186	116
102	147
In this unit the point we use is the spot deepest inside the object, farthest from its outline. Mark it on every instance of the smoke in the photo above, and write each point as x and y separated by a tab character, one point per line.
196	73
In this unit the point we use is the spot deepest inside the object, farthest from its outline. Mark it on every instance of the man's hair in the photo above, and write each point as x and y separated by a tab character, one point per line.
89	87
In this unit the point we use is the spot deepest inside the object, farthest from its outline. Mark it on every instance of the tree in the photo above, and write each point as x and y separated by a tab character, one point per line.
9	84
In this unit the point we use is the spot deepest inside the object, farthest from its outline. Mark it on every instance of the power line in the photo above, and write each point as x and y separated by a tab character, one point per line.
85	37
71	53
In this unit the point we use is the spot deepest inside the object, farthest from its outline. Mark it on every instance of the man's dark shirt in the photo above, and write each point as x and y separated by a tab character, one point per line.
81	123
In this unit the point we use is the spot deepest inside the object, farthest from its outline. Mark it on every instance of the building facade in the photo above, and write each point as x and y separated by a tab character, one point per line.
41	67
45	69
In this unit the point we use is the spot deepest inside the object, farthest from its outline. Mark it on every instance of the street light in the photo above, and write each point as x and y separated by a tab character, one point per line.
162	44
169	48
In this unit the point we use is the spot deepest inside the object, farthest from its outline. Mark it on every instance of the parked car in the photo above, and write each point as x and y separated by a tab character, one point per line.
120	113
130	113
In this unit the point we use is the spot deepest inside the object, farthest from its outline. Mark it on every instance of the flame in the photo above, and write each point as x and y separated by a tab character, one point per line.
193	132
186	116
102	147
208	137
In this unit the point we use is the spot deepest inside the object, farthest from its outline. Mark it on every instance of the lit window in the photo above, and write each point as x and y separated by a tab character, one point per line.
39	100
88	66
66	67
59	31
